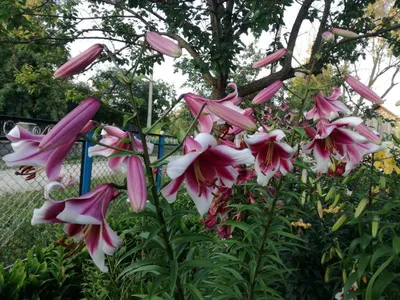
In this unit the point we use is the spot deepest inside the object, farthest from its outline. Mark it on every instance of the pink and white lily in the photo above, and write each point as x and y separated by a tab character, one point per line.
327	107
136	181
84	219
225	109
332	141
272	155
117	138
28	155
204	167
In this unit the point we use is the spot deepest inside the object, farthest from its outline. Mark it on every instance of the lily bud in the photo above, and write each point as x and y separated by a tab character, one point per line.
71	125
270	58
163	45
136	182
328	36
363	90
369	134
79	63
344	33
267	93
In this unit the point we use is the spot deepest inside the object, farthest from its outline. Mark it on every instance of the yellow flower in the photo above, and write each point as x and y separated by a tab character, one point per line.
301	224
332	210
385	161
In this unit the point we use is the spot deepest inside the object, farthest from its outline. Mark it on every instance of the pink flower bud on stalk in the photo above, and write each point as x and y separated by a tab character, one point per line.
71	125
363	90
163	45
270	58
344	33
368	133
79	63
328	36
267	93
136	182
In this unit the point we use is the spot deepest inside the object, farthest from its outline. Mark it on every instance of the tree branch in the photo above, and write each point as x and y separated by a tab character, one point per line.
206	74
321	30
287	70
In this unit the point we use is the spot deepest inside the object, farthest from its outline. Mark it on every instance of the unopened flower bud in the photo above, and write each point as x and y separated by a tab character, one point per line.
267	93
344	33
79	63
163	44
270	58
328	36
363	90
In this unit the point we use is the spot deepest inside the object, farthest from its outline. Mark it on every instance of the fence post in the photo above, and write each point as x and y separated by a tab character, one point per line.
86	167
161	142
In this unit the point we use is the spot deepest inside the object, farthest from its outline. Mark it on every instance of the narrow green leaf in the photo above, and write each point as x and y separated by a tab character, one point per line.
368	293
195	292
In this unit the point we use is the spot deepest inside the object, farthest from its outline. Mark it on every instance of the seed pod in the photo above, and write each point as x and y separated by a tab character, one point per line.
319	208
323	259
344	275
327	273
331	252
339	222
382	182
358	173
363	203
317	180
319	189
339	253
303	197
336	201
375	226
304	174
330	194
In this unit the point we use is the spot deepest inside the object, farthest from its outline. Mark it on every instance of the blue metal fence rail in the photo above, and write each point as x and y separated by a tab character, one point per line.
87	163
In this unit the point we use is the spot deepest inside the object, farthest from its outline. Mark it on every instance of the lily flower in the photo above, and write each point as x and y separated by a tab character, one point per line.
204	167
272	155
79	62
71	125
363	90
163	45
225	109
332	141
327	107
31	159
84	219
267	93
270	58
117	138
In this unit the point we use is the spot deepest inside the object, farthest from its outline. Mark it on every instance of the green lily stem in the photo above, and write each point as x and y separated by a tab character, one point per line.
114	109
264	239
157	162
165	114
150	177
278	187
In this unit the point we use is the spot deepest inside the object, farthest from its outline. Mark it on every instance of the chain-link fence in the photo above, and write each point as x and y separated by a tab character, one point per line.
19	197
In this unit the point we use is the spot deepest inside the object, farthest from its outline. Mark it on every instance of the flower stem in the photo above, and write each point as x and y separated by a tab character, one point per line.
155	163
150	177
263	239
